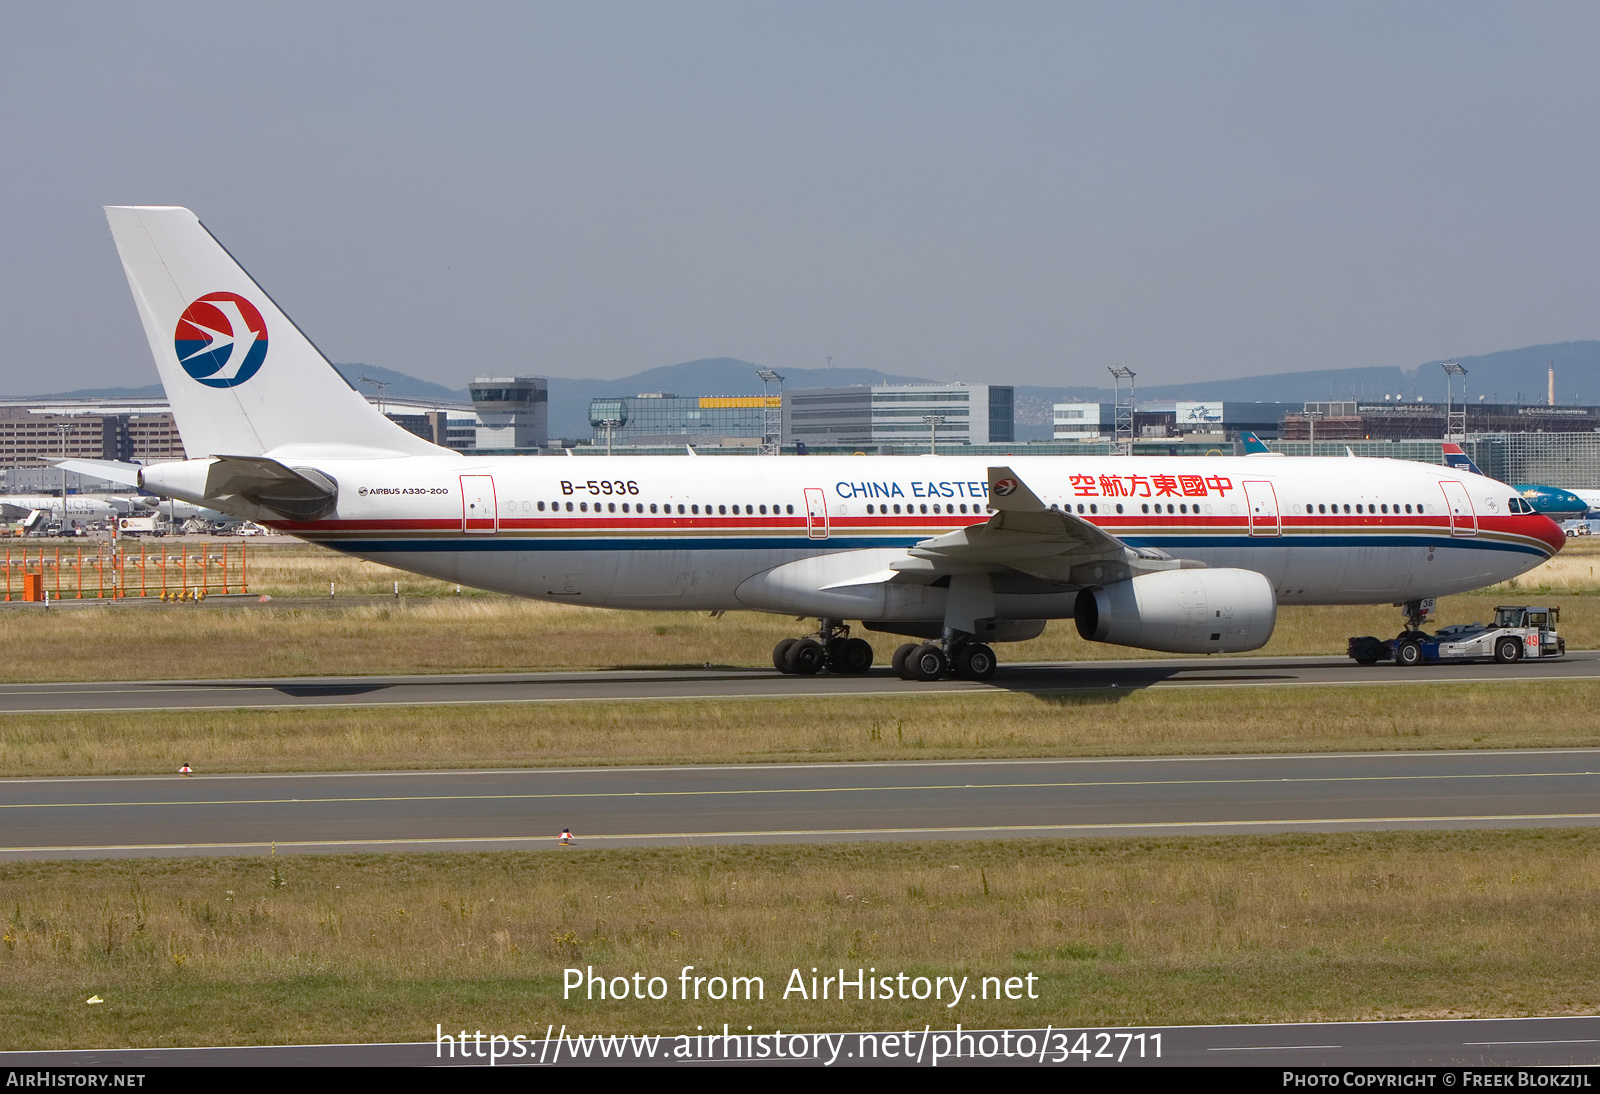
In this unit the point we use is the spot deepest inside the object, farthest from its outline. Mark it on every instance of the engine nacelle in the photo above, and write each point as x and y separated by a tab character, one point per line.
1182	611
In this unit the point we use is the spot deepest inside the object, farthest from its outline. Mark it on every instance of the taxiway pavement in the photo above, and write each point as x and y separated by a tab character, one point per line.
733	683
768	803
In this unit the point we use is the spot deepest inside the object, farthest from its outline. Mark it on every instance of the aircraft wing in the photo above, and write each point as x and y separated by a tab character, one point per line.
1030	537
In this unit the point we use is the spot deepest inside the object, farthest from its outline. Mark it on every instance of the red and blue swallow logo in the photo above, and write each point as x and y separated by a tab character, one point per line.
221	339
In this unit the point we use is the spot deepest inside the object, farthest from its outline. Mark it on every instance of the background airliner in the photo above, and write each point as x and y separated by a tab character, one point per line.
1187	555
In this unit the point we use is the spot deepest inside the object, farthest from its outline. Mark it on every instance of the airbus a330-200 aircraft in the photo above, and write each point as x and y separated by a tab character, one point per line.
1183	554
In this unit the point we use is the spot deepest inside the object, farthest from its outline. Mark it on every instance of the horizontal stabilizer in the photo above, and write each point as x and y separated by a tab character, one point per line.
116	471
295	493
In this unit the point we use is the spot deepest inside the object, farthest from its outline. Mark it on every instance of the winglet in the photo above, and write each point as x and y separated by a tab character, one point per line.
1007	492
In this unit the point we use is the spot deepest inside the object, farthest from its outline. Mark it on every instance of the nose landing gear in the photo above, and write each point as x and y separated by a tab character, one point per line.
831	648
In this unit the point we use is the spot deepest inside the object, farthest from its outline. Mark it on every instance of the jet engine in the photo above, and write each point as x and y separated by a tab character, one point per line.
1181	611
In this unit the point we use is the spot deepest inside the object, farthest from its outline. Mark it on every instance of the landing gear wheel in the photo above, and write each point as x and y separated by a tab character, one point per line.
1408	654
927	662
780	655
805	657
1508	651
975	661
850	657
902	661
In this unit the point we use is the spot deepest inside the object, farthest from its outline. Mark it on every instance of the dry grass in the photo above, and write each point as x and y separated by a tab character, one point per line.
449	634
1575	571
1156	722
1119	932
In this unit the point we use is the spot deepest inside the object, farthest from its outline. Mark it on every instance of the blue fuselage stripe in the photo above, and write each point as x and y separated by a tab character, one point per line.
497	544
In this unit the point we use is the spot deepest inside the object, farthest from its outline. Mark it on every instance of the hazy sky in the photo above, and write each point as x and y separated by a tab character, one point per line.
1017	192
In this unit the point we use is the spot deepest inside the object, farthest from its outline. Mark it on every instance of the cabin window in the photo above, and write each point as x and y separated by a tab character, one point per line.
1119	507
541	507
1320	508
764	510
1093	508
612	508
1080	507
1145	508
790	509
583	505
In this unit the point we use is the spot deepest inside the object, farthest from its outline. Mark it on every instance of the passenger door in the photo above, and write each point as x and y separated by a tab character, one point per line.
479	513
1262	500
816	513
1463	518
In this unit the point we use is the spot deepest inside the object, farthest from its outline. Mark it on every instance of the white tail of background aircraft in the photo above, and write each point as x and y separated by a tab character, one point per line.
1181	554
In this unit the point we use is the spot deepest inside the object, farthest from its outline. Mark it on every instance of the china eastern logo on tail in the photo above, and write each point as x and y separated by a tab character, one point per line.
221	339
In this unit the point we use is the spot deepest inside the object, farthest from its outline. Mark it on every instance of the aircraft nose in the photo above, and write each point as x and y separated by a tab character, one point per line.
1551	533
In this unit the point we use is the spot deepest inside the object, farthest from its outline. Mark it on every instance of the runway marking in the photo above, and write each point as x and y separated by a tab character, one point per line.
734	793
963	830
1571	1041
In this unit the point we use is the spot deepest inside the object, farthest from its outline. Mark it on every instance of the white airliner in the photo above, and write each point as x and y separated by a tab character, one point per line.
1186	555
79	506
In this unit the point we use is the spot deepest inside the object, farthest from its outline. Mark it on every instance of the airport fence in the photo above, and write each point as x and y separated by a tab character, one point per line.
122	570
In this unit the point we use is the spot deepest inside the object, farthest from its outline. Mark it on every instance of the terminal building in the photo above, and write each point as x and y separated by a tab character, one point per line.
663	418
1155	420
139	430
1402	421
897	414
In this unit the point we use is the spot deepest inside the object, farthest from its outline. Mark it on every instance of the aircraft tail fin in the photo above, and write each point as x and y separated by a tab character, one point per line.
240	376
1456	458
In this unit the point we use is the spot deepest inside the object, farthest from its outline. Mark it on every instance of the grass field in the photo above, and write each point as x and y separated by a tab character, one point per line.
984	725
1118	932
446	634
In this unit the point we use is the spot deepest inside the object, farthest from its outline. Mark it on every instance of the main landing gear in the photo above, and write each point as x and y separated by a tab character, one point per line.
958	656
830	648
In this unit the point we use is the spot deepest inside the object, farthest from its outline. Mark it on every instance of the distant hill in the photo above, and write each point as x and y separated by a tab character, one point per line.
150	391
400	386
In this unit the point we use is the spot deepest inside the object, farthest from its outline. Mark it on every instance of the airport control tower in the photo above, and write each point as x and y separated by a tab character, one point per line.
513	413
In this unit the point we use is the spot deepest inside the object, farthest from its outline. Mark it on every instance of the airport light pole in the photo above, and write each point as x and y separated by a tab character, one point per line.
64	427
934	422
772	423
610	424
1451	371
383	392
1122	414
